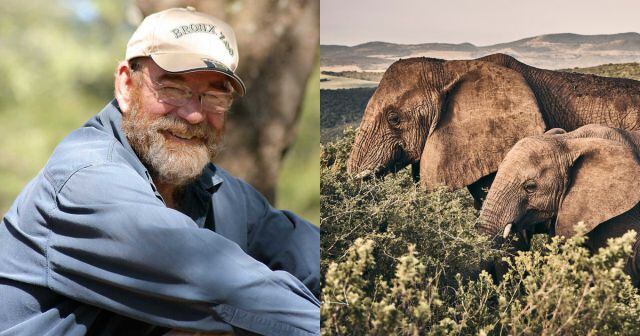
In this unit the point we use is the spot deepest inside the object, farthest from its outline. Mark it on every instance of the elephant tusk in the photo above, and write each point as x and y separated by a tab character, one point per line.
507	230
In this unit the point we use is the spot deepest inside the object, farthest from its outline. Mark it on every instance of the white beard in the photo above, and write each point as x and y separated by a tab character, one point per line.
170	161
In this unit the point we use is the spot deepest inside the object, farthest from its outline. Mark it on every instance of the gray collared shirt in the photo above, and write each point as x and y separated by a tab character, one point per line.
89	247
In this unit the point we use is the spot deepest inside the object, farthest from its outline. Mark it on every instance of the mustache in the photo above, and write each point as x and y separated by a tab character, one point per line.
182	128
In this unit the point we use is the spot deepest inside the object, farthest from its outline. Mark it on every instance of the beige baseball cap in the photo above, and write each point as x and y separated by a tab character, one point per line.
184	40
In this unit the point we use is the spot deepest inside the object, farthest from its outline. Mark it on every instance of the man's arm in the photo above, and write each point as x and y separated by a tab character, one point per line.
283	241
113	244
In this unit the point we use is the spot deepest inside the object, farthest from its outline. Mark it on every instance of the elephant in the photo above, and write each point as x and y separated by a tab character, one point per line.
454	121
549	183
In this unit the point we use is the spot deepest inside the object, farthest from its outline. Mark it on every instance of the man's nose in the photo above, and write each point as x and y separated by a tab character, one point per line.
192	112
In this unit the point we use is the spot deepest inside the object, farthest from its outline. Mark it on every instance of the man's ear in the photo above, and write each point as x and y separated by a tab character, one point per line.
123	86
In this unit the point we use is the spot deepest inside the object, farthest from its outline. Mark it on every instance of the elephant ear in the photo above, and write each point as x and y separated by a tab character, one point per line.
604	182
485	112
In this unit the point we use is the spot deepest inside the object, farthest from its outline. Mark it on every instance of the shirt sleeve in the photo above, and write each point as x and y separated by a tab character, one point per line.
284	241
114	245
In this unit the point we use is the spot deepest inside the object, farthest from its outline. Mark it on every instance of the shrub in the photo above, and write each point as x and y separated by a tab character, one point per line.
564	292
395	212
397	260
569	292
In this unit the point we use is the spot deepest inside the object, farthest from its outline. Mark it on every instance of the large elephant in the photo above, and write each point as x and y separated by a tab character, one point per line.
458	119
551	182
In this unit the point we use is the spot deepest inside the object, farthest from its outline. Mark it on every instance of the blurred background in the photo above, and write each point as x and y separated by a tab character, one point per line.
56	71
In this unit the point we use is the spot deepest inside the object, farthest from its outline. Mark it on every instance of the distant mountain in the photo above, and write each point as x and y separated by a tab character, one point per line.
553	51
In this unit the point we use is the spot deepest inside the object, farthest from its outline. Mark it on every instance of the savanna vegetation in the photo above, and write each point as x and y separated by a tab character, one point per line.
623	70
298	189
400	261
341	108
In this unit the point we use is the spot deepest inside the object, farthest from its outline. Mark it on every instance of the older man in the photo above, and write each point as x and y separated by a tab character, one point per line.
130	230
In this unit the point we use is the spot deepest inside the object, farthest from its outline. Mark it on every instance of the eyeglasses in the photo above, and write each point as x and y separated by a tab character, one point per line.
214	101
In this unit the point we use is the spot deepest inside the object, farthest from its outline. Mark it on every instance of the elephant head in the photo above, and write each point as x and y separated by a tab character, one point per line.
456	118
581	176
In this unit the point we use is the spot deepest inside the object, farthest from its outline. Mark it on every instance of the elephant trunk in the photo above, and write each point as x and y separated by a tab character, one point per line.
356	163
373	154
490	227
498	224
499	216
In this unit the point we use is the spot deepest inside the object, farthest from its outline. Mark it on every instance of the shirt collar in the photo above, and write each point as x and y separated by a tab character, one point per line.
210	177
110	120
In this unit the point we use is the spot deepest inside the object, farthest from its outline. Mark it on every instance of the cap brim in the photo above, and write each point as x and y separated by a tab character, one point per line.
181	63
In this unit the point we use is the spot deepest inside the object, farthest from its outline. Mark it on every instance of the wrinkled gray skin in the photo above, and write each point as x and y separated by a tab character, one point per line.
549	183
456	120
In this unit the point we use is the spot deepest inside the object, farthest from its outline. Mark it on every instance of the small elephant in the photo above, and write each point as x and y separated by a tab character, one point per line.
456	120
554	181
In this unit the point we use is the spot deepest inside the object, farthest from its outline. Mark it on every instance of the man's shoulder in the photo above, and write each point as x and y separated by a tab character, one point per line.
82	148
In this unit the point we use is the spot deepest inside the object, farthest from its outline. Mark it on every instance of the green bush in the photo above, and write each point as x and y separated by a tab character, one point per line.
395	212
397	260
564	292
567	291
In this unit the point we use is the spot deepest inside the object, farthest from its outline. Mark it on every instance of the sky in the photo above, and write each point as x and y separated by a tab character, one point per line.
480	22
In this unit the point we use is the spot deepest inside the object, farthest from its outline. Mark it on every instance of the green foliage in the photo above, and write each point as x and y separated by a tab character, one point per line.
400	261
413	302
298	188
566	291
56	70
622	70
395	212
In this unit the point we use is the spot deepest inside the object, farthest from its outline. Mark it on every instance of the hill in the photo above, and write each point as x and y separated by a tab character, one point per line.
553	51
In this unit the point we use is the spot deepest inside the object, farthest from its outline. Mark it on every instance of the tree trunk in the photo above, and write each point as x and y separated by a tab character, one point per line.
278	41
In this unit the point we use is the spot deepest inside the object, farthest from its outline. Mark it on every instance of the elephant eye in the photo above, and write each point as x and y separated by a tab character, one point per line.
530	186
393	118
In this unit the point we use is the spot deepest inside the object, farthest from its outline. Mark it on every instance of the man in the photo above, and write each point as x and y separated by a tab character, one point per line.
130	230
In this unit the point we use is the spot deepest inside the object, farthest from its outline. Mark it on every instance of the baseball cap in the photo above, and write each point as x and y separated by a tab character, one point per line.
183	40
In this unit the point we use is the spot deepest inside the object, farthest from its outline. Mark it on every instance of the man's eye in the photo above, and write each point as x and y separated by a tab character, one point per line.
218	99
173	92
